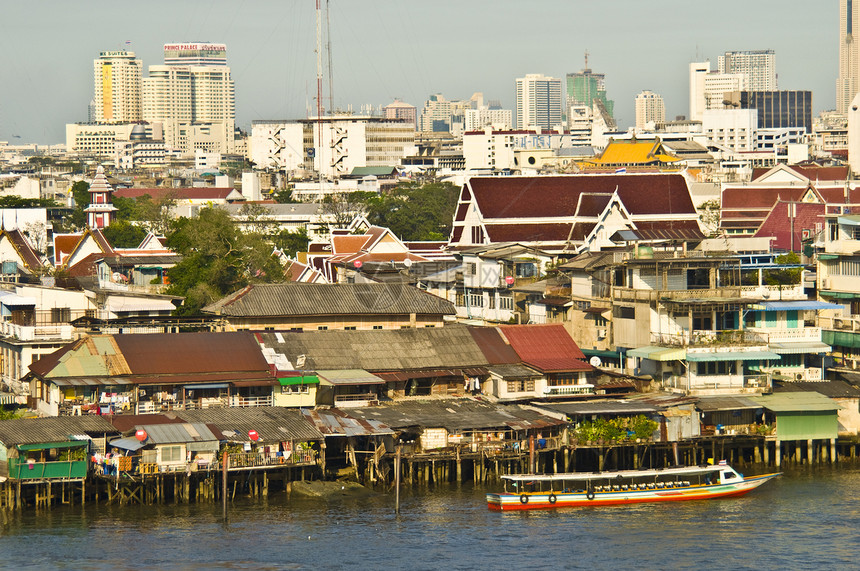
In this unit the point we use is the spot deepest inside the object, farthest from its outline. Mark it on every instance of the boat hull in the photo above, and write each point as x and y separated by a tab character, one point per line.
543	500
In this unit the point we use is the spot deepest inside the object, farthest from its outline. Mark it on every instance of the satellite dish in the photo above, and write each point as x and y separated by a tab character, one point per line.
595	361
407	262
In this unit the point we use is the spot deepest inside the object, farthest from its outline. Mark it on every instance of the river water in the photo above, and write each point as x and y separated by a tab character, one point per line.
806	519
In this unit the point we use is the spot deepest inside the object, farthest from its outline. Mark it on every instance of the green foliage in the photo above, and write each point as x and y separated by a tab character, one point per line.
784	276
81	195
124	234
291	242
218	259
10	413
12	201
415	211
616	429
284	196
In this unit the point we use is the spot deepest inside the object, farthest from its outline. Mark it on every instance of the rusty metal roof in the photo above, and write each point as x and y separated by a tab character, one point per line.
176	433
52	429
582	408
273	424
298	299
335	422
456	415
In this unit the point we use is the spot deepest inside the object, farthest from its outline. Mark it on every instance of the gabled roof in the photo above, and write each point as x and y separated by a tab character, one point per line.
495	347
549	348
633	152
92	236
63	246
801	401
158	357
52	429
779	224
380	350
29	258
300	299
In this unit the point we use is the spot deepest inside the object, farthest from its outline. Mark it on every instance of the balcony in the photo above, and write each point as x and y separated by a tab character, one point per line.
583	389
649	295
793	335
773	293
37	332
728	337
851	323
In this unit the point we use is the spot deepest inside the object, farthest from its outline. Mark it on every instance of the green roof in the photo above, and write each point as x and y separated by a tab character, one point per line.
306	380
373	171
797	401
49	445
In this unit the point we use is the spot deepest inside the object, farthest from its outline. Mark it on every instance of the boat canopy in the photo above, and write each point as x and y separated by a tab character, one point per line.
586	476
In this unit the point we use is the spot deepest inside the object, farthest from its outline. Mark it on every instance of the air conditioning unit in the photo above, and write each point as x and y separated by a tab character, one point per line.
825	283
601	333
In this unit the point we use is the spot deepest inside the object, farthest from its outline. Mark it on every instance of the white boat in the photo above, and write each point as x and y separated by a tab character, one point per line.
576	489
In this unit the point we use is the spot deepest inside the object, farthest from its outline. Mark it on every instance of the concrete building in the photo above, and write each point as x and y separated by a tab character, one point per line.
716	86
776	109
400	110
698	71
854	134
496	149
650	109
759	68
436	114
100	139
193	96
539	101
484	116
117	87
848	82
731	128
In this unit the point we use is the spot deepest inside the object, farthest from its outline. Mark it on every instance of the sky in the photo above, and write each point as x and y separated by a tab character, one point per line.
405	49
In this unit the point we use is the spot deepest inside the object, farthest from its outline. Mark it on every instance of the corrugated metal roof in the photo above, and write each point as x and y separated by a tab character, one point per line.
273	424
830	389
456	415
52	429
797	402
335	422
600	407
299	299
350	377
514	371
493	345
449	347
547	348
714	404
175	433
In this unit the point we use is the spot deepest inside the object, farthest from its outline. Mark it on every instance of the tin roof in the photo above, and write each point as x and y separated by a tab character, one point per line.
52	429
456	415
295	299
175	433
831	389
601	407
378	350
335	422
805	401
273	424
548	348
715	404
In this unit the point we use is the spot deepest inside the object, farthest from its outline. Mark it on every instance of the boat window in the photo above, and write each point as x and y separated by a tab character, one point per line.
728	475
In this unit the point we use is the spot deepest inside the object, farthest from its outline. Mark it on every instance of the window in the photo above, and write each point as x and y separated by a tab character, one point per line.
322	328
623	312
295	389
377	326
61	315
491	301
506	302
711	368
171	454
349	328
521	386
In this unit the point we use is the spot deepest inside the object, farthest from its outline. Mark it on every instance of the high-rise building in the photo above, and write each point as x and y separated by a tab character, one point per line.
117	87
485	116
586	86
776	109
649	109
698	71
193	97
758	66
436	115
539	101
717	85
848	82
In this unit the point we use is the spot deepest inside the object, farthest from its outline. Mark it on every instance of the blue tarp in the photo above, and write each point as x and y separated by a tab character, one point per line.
799	305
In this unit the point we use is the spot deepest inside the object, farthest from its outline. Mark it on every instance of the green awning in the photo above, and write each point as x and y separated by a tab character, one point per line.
49	445
841	339
733	356
601	353
656	353
306	380
840	294
828	256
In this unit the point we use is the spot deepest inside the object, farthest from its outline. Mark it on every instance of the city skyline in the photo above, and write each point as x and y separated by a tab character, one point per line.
384	49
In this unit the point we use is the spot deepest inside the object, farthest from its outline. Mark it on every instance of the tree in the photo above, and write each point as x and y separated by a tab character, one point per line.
784	276
81	194
416	211
124	234
291	242
156	215
218	259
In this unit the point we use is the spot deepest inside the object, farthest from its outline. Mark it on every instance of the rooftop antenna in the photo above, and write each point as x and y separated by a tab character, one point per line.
319	89
586	59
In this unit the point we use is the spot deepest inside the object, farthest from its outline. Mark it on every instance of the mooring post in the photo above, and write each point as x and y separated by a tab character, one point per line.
397	479
224	462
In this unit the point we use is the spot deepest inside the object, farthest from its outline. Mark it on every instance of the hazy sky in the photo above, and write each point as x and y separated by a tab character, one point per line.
409	49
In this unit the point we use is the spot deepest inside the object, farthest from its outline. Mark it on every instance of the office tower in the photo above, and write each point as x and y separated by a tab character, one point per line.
436	115
698	71
117	87
539	101
776	109
758	67
193	97
848	82
717	85
649	109
586	86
